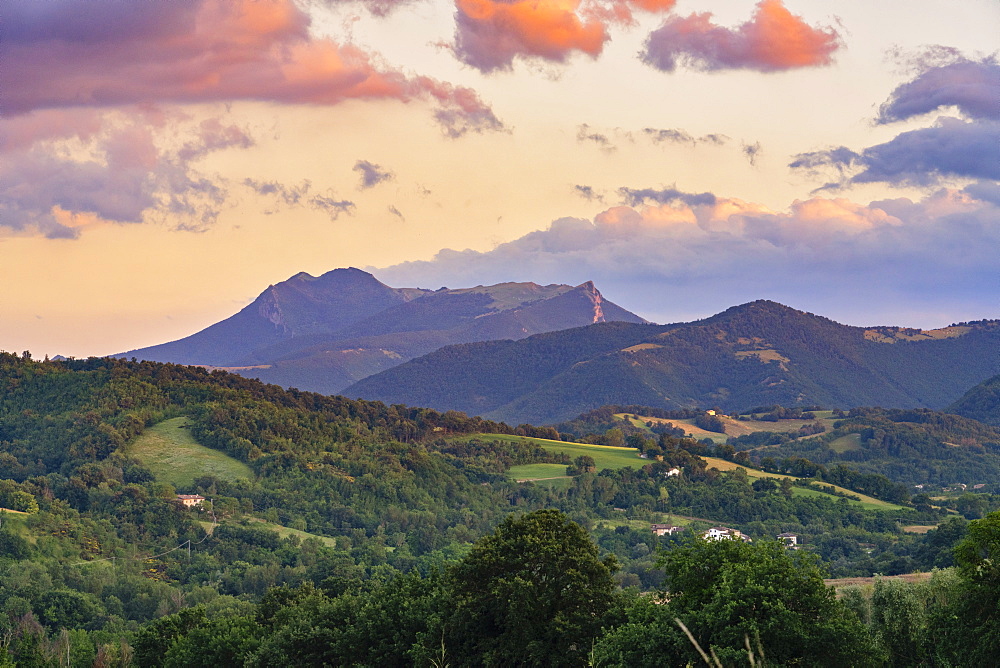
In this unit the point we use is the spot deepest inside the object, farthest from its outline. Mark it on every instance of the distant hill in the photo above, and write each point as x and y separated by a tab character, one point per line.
761	353
324	333
981	403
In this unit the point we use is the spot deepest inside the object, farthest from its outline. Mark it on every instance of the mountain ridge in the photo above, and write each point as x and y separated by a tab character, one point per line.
323	333
757	353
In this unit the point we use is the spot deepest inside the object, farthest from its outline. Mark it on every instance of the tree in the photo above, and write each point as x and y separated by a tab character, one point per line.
969	628
582	464
533	593
727	592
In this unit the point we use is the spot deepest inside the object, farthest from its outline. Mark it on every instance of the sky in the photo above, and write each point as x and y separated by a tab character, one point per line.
162	163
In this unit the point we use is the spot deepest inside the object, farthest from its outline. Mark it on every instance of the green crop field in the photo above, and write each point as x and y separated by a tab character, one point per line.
169	450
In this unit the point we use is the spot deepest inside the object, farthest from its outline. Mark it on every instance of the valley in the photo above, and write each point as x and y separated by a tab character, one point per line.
310	499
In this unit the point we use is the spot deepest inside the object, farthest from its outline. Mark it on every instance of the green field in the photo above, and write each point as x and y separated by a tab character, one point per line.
169	450
845	443
285	532
537	471
605	456
282	531
866	501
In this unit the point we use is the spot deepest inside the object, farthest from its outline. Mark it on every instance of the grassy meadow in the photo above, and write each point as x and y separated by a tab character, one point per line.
170	451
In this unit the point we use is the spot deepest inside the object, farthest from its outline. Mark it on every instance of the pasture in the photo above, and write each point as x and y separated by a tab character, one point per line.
169	450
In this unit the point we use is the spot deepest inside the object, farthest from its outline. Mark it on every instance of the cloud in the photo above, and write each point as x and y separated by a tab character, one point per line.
82	53
588	193
677	260
751	151
774	39
584	134
290	195
637	197
332	206
299	196
371	174
972	86
491	33
673	136
951	148
381	8
121	170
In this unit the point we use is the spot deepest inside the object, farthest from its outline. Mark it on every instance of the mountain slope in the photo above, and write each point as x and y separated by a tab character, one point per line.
982	402
754	354
322	334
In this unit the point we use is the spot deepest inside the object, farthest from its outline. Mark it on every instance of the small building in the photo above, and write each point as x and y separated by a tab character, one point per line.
979	485
190	500
721	533
672	472
664	529
789	539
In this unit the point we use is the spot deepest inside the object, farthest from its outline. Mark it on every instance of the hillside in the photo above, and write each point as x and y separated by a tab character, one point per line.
916	447
312	497
324	333
982	402
761	353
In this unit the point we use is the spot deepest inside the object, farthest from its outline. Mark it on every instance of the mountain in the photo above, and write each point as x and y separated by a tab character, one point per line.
324	333
759	353
981	403
303	305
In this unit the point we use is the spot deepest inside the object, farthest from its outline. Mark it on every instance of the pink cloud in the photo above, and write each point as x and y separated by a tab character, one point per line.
122	171
193	52
773	39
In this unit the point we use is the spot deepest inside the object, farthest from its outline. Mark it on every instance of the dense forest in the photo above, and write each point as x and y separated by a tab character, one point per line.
363	532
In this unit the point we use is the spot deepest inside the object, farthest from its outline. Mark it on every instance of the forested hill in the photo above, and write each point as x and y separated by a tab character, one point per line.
341	534
981	403
760	353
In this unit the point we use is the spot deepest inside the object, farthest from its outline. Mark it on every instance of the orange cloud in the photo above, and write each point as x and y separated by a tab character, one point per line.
621	11
491	33
781	40
773	39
